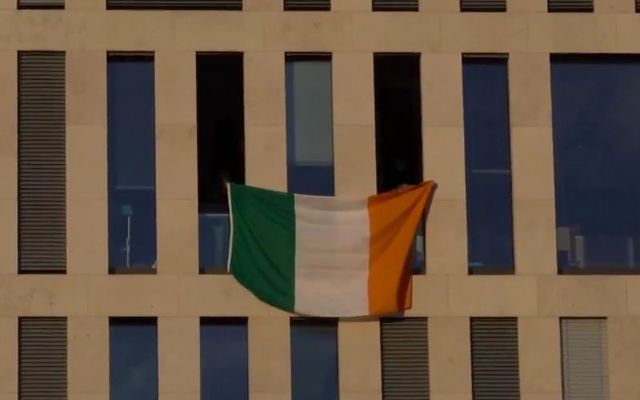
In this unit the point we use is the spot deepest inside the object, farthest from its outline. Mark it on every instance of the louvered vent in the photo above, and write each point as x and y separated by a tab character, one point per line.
395	5
638	6
494	358
405	359
307	5
570	5
42	371
585	372
483	5
41	162
233	5
40	4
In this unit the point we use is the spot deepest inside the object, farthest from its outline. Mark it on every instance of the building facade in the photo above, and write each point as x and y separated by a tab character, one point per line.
119	121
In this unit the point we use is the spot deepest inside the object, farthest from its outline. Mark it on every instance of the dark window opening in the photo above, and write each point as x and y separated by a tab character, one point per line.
307	5
398	114
220	92
220	5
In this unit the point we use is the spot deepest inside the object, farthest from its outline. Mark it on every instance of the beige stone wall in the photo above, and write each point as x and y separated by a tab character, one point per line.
177	295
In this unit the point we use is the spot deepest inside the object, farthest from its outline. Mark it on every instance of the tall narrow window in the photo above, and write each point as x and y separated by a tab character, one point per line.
488	164
309	124
596	143
494	358
314	359
132	163
224	366
42	370
220	150
42	205
133	359
405	358
399	130
585	371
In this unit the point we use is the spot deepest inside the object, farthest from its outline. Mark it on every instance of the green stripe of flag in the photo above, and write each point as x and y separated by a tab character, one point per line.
263	243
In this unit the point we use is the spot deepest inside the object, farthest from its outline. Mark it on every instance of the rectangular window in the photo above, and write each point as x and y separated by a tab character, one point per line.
483	5
40	4
42	358
596	143
398	113
309	124
229	5
494	358
133	359
570	5
488	164
394	5
405	358
314	359
220	150
42	204
307	5
224	367
132	163
585	371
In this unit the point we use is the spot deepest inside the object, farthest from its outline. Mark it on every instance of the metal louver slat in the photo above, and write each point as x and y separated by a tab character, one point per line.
405	359
40	4
395	5
307	5
231	5
42	371
570	5
585	372
494	359
42	227
483	5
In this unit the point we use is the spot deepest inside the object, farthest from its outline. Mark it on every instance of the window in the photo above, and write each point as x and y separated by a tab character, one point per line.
307	5
405	358
40	4
309	124
399	130
596	144
224	369
488	164
585	371
230	5
133	359
132	163
483	5
314	359
42	198
220	151
42	358
394	5
570	5
494	358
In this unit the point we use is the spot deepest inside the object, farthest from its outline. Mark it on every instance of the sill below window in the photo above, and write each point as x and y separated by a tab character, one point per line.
132	270
491	270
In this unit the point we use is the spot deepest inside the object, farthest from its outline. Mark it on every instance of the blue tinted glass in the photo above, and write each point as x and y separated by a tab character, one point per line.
596	145
309	126
131	158
133	360
224	360
314	360
488	165
213	241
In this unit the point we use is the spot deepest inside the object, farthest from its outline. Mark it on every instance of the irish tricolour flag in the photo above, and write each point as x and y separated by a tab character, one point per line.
326	256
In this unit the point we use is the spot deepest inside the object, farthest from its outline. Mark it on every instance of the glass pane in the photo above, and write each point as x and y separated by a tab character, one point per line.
309	125
596	146
224	359
214	242
133	359
314	360
131	158
488	165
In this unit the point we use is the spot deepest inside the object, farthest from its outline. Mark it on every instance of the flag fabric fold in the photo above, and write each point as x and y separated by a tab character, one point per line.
326	256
